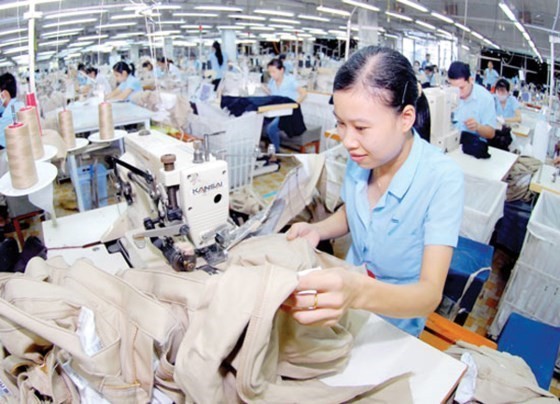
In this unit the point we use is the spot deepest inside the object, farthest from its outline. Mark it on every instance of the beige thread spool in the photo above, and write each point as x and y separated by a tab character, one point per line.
106	127
66	125
28	115
20	158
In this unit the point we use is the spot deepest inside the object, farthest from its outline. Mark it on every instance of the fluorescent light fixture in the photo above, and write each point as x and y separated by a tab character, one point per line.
337	32
360	4
170	22
281	26
465	47
208	15
219	8
274	12
54	43
196	26
128	34
17	49
17	4
7	63
425	25
71	22
507	11
444	32
79	44
284	21
262	29
305	35
232	27
442	17
477	35
247	17
195	31
399	16
123	16
11	42
116	25
75	13
519	26
353	28
61	32
93	37
313	18
245	41
391	36
249	24
167	6
413	4
331	10
463	27
164	33
13	31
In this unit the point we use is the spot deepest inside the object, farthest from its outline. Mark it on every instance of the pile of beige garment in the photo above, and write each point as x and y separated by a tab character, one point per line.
78	334
171	109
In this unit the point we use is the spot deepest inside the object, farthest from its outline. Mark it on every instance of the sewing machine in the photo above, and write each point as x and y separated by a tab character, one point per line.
442	102
178	199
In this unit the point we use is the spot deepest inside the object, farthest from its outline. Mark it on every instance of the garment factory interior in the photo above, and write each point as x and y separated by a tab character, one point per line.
299	201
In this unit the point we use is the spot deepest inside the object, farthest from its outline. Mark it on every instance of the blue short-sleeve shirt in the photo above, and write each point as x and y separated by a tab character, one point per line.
288	87
219	70
479	105
508	111
490	77
131	82
422	206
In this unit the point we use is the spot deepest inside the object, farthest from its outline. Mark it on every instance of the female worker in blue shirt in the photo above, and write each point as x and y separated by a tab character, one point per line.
218	62
507	106
128	83
403	203
285	85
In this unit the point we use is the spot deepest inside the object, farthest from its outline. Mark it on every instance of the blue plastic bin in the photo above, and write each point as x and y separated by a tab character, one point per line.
96	173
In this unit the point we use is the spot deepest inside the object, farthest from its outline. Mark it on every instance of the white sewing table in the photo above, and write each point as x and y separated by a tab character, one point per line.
86	116
542	180
382	351
494	168
78	236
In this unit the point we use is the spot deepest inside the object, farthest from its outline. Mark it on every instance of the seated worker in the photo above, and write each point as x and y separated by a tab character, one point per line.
476	112
8	94
147	76
507	106
128	84
403	203
285	85
98	81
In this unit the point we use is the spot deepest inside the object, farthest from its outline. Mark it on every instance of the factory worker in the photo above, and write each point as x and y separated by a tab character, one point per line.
507	107
285	85
218	63
403	203
128	84
476	112
490	76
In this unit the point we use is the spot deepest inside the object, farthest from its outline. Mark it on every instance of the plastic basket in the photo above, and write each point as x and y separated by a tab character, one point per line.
93	183
236	144
484	206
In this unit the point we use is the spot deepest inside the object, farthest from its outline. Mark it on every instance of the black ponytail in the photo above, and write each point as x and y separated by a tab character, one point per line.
388	76
121	66
219	54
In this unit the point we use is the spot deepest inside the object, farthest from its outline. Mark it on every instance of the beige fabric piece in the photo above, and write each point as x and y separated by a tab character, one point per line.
233	326
502	378
127	321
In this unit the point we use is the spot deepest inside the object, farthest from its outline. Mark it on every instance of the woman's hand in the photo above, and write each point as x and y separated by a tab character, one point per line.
322	297
306	231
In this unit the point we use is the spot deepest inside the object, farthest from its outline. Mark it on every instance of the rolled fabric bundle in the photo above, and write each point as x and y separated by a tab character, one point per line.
21	163
106	127
28	116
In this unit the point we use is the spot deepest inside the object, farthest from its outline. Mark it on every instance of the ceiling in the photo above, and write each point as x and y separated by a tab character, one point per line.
119	23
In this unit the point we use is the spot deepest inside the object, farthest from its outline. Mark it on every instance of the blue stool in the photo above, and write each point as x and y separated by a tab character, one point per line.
469	270
537	343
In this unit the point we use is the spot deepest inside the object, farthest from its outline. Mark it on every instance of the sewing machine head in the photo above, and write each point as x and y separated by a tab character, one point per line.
174	193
